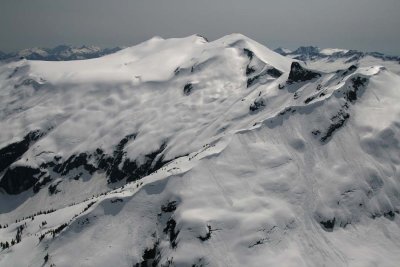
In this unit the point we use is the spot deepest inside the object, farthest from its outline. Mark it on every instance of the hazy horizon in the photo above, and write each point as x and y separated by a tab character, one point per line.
364	25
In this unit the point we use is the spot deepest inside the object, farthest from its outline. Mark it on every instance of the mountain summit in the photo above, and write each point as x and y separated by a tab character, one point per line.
184	152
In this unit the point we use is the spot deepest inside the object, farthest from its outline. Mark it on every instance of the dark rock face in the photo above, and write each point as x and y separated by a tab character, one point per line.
14	151
270	71
75	161
117	166
349	70
42	182
187	89
352	68
337	122
274	72
328	225
19	179
248	53
170	207
171	232
207	236
130	169
257	69
257	105
309	99
357	83
300	74
53	188
389	215
154	161
350	94
252	80
249	71
151	257
110	164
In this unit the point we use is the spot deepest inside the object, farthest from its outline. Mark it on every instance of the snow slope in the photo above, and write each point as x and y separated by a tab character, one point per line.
183	152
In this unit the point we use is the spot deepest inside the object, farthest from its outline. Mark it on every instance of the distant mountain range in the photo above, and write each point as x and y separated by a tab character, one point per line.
307	53
304	53
59	53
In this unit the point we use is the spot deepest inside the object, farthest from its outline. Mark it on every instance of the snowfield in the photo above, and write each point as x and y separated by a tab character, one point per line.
184	152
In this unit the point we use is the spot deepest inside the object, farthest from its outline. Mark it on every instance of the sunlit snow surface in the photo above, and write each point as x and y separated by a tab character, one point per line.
255	178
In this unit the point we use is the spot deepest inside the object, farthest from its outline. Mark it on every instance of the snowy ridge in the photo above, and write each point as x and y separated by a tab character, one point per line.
183	152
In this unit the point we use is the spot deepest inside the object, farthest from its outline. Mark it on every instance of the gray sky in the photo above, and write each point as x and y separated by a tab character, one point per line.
369	25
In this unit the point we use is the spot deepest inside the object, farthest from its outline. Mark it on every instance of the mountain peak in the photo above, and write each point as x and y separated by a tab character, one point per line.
182	152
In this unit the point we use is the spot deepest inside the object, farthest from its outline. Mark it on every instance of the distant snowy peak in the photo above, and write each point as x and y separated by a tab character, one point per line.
331	51
301	53
307	53
60	53
283	51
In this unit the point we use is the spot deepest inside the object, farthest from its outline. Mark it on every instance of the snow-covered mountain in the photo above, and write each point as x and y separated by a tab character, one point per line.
59	53
183	152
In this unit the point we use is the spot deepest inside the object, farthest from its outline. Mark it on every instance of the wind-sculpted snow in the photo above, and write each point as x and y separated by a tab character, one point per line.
184	152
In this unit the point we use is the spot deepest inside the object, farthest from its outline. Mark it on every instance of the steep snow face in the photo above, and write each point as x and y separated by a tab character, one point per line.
183	152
